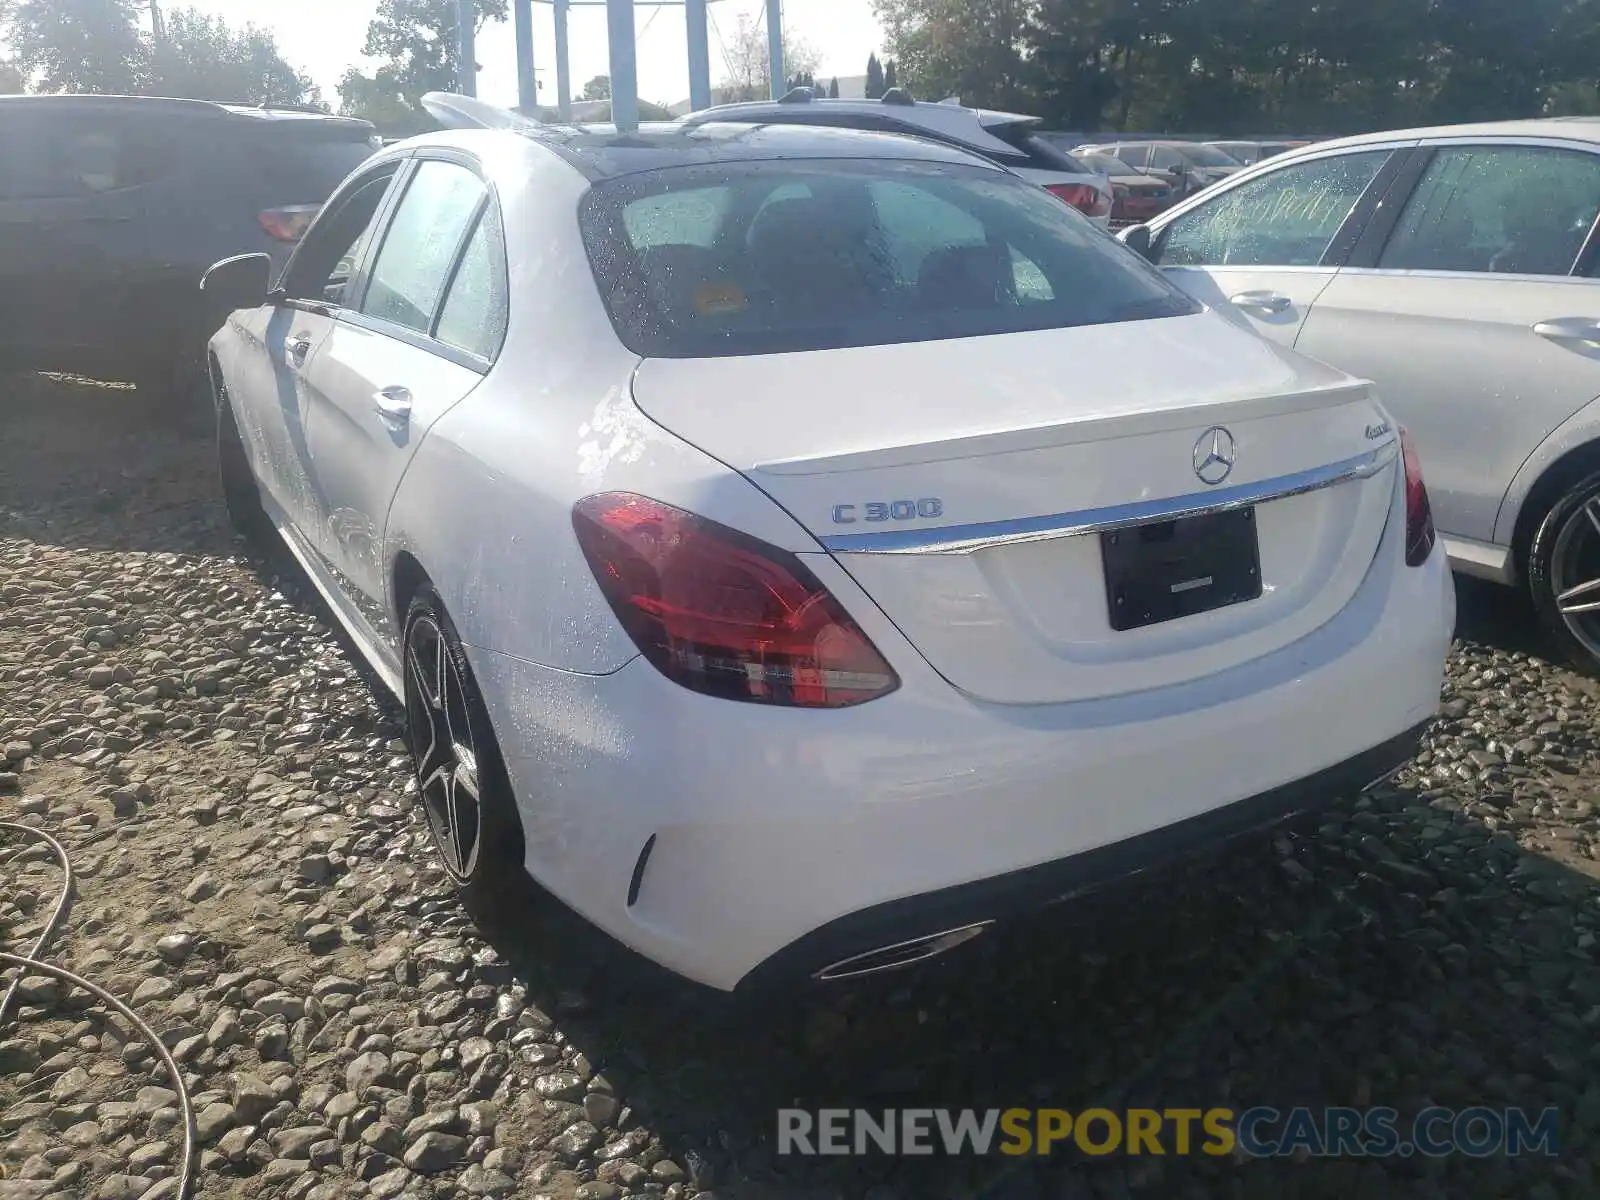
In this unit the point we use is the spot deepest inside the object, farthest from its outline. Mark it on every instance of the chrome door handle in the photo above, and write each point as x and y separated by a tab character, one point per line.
393	405
1569	329
1271	302
297	351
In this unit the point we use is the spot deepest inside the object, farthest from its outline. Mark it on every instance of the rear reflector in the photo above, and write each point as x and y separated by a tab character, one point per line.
289	223
1419	512
723	613
1084	197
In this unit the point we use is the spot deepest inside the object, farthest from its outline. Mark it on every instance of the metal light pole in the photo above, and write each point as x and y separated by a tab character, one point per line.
563	72
527	80
624	69
775	46
467	47
694	20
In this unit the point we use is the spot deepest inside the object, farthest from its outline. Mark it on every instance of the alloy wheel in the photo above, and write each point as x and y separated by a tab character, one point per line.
1575	574
442	748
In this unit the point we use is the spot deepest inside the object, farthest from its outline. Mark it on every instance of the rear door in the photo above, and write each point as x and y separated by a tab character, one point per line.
1262	250
1474	315
74	189
428	324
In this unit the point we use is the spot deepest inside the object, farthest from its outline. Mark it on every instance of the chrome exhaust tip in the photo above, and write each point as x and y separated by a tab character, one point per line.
900	954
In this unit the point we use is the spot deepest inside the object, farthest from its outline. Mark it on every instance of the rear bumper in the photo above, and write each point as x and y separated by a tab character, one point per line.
1018	893
739	845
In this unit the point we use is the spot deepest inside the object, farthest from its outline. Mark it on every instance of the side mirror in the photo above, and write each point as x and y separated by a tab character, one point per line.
239	282
1137	239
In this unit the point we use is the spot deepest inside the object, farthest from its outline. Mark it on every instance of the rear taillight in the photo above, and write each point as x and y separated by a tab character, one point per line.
1419	513
723	613
1084	197
289	223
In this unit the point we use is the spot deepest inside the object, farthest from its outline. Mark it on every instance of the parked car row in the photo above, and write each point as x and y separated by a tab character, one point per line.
856	550
1180	168
1459	269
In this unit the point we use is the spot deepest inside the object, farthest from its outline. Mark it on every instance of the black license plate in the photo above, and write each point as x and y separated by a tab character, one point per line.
1172	569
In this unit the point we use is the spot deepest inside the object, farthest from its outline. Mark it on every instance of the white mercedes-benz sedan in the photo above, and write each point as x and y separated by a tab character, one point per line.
799	549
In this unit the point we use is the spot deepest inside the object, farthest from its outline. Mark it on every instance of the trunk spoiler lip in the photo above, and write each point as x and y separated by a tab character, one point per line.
966	539
1074	431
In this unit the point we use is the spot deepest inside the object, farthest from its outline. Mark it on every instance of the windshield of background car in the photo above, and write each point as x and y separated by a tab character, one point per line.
1210	156
777	256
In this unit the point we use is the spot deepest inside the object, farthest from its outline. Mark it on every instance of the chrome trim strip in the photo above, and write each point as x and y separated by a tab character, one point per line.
964	539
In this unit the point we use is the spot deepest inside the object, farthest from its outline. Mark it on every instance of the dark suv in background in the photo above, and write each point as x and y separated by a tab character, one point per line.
112	207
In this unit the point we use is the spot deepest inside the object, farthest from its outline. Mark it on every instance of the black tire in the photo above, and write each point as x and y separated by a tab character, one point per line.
454	753
240	492
1563	560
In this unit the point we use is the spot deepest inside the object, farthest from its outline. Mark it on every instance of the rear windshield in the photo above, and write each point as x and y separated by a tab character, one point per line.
1042	153
775	256
306	170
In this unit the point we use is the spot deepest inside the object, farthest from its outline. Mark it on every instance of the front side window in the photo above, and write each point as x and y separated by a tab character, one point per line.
817	254
413	264
1286	218
1522	210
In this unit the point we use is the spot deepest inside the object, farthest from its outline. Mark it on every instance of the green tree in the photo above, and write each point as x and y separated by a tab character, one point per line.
889	80
975	49
202	58
833	88
416	39
874	88
76	45
598	88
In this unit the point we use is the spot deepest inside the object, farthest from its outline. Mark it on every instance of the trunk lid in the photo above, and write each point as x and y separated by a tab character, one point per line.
941	474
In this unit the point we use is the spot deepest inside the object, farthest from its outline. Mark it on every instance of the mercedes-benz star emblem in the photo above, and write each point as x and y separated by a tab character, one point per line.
1214	455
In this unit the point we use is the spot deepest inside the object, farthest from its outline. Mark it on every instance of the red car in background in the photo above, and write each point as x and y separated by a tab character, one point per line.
1137	197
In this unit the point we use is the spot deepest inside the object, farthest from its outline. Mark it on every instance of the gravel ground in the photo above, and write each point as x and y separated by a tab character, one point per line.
254	879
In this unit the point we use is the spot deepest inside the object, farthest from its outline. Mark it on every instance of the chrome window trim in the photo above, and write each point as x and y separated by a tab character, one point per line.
965	539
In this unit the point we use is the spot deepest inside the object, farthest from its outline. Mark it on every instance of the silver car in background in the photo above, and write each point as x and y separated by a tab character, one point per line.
1010	140
1459	269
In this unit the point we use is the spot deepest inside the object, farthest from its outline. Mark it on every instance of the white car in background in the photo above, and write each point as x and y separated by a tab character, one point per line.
1010	139
754	577
1459	269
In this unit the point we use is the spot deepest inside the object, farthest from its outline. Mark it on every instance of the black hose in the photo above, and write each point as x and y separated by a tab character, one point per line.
31	962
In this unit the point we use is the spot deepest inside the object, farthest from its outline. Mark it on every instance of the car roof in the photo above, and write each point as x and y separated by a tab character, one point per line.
601	152
176	106
1582	128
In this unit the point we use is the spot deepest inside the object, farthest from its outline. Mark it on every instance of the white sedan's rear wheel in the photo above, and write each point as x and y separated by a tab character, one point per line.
461	778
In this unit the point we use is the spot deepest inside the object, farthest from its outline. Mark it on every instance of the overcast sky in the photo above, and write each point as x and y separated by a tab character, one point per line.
323	37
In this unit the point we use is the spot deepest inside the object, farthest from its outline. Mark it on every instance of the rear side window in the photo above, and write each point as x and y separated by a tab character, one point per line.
474	314
1042	154
1523	210
413	264
815	255
73	155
